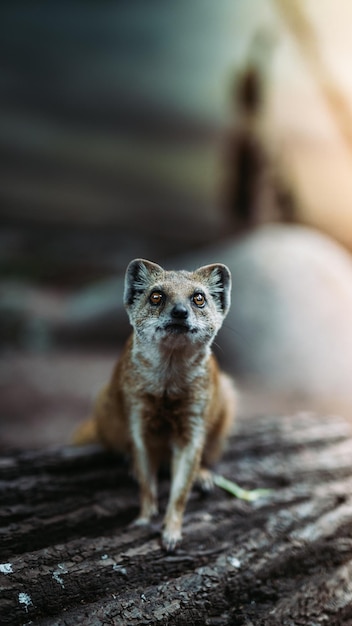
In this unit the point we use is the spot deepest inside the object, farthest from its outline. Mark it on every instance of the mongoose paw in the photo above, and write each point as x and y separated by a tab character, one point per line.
140	521
205	480
170	539
145	516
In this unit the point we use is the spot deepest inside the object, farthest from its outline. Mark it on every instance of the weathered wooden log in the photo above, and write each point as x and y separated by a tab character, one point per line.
68	556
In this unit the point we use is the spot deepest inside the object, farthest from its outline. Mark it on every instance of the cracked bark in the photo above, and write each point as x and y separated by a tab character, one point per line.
68	556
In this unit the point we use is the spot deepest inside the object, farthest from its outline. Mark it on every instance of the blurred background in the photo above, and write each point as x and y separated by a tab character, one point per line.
186	133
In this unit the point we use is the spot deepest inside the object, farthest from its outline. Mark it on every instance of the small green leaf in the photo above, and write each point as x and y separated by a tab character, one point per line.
237	491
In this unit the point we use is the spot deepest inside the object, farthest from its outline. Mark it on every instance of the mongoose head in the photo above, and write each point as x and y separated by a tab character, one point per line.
176	308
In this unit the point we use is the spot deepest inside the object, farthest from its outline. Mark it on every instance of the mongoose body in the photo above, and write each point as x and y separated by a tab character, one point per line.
167	400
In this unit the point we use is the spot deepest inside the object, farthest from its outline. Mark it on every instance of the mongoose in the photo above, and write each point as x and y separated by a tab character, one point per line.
167	400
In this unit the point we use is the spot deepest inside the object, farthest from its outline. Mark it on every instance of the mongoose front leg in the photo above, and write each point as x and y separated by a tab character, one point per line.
146	472
184	468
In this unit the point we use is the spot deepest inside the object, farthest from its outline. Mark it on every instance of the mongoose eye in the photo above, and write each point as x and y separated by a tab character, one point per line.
199	299
155	297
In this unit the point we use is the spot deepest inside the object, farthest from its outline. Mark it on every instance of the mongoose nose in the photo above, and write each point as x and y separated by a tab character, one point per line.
179	311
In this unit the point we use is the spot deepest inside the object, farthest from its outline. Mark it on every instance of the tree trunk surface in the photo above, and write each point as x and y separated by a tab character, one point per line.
68	556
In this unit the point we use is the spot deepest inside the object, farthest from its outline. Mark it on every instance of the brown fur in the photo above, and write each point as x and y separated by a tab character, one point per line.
167	399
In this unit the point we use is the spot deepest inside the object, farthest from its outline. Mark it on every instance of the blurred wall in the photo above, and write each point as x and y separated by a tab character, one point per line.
113	116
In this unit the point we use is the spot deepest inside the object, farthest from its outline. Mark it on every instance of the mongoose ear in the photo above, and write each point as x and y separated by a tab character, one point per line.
218	279
138	277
